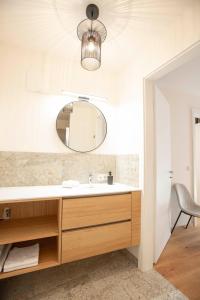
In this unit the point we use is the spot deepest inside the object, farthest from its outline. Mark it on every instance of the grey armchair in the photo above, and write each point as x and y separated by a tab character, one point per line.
186	204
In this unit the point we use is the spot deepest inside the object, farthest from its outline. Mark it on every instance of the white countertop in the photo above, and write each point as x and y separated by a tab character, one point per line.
10	194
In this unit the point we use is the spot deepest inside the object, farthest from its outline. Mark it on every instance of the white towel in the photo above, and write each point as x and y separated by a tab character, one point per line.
20	258
4	253
20	267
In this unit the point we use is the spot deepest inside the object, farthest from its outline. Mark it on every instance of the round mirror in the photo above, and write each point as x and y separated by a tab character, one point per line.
81	126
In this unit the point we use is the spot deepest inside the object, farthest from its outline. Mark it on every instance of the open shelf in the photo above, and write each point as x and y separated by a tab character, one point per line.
48	257
17	230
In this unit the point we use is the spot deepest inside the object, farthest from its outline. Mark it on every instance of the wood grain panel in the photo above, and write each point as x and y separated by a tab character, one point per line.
47	257
136	218
82	243
59	239
179	262
83	212
31	208
17	230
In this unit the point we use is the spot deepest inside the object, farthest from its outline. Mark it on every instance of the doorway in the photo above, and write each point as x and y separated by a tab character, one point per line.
147	253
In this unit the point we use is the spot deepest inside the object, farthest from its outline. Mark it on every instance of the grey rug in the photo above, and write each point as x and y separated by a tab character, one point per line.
112	276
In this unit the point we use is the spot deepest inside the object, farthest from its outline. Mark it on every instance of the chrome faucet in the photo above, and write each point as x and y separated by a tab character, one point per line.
90	179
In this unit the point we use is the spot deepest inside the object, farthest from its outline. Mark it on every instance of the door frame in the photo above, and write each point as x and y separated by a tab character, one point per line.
146	251
195	114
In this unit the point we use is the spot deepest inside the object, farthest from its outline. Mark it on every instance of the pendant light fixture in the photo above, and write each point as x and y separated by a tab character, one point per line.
92	33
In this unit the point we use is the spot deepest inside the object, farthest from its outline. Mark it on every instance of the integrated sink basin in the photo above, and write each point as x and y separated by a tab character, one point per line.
58	191
99	189
94	185
97	186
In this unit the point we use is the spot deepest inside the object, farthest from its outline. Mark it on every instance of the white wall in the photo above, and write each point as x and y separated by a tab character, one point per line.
27	119
33	115
156	49
157	45
182	90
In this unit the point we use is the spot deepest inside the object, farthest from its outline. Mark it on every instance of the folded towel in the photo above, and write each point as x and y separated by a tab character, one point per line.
4	253
20	258
20	267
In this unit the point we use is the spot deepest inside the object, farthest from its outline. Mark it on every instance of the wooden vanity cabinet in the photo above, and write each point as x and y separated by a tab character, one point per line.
72	229
84	212
91	241
136	218
96	225
33	221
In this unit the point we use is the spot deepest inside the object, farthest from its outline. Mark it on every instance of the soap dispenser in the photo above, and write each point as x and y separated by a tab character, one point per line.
110	178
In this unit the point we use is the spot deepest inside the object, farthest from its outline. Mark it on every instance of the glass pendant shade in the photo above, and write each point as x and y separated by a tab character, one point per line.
92	33
91	51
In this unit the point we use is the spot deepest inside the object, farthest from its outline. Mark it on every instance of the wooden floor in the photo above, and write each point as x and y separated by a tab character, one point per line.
180	261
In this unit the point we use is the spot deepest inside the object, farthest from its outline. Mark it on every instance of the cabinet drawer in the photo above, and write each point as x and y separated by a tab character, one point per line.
83	243
83	212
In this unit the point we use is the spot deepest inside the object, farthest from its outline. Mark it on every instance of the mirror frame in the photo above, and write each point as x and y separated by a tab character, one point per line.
106	126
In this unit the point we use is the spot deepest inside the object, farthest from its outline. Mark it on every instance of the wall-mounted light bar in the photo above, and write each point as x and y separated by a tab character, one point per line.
79	96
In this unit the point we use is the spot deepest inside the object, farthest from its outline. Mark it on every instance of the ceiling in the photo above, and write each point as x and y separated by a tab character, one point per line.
50	25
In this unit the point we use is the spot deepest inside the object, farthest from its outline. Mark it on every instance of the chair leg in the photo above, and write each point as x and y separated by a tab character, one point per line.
188	222
176	221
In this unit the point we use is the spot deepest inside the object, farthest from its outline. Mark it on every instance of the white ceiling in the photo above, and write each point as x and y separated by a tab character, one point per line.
50	25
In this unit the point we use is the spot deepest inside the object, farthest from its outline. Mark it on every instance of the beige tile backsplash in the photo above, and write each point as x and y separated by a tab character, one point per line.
127	169
25	169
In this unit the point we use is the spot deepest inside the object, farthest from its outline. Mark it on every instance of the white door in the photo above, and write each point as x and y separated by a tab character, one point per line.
163	169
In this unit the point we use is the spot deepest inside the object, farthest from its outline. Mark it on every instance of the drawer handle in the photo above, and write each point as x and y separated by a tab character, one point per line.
93	226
